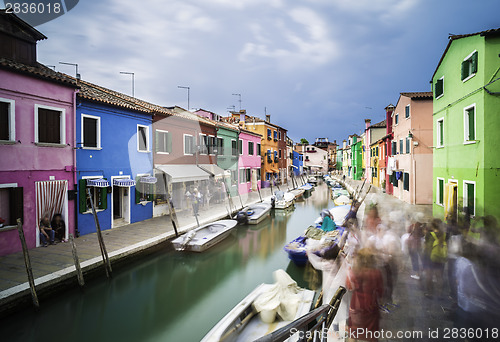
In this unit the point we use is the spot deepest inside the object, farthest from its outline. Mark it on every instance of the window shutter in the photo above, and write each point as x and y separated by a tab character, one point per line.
104	198
474	62
137	192
157	141
465	70
16	205
472	113
82	195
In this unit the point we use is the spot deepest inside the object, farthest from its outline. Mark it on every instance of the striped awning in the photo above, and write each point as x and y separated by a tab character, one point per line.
148	180
98	183
124	182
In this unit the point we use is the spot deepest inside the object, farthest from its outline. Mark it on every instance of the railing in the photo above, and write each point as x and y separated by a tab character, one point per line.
314	324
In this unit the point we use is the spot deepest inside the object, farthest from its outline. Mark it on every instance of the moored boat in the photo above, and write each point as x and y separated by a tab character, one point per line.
342	200
282	200
204	237
254	213
298	193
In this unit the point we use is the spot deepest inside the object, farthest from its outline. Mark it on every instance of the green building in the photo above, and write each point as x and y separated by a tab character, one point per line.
356	168
338	166
466	121
227	159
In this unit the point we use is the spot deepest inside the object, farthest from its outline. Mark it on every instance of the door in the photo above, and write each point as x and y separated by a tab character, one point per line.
117	202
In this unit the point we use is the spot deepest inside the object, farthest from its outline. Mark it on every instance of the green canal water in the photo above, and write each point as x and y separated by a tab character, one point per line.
172	296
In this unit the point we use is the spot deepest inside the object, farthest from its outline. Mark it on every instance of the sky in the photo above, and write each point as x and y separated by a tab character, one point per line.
318	67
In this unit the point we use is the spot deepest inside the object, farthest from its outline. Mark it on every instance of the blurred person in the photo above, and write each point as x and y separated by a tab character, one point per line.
438	253
59	227
47	234
414	244
454	243
365	282
372	220
197	200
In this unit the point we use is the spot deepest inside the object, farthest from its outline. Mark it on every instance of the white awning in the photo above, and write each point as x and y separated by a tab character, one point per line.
98	183
148	180
213	170
183	172
314	165
123	182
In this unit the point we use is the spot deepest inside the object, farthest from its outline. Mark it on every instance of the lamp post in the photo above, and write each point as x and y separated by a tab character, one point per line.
76	67
133	80
188	90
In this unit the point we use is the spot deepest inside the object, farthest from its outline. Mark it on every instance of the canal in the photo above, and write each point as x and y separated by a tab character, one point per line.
173	296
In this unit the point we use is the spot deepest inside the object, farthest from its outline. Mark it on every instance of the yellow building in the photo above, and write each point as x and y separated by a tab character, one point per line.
374	163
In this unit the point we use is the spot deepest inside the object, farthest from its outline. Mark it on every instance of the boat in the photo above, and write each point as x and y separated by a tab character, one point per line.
313	180
204	237
254	213
296	250
298	193
306	187
337	192
282	200
342	200
244	323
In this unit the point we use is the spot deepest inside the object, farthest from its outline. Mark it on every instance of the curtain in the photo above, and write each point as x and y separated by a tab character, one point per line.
50	198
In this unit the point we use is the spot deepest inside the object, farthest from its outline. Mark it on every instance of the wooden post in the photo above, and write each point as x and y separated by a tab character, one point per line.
258	189
79	273
104	253
27	263
173	214
229	198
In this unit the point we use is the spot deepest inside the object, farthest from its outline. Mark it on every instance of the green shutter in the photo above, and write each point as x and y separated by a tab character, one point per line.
470	197
438	90
82	195
104	198
441	132
473	60
465	70
441	191
471	114
137	192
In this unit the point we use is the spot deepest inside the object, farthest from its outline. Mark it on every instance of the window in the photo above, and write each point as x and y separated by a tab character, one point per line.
407	111
144	192
470	123
440	132
396	119
220	146
275	135
258	173
99	196
234	148
394	179
401	146
259	150
234	177
268	133
7	120
212	145
279	132
406	181
142	138
240	146
50	125
11	203
469	66
470	197
203	143
439	88
376	151
393	147
242	176
248	175
189	144
280	153
440	191
407	145
163	142
250	148
269	158
275	156
91	131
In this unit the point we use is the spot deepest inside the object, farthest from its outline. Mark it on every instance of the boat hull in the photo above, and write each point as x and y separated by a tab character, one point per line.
202	243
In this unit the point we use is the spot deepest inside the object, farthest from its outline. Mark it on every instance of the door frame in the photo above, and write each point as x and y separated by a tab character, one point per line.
127	219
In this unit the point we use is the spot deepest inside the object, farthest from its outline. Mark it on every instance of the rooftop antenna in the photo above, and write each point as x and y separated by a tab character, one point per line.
239	99
76	67
232	107
133	80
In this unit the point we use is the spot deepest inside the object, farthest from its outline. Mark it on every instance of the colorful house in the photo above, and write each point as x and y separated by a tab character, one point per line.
356	167
466	118
372	133
116	166
298	163
228	155
37	172
315	159
412	148
374	163
249	162
388	148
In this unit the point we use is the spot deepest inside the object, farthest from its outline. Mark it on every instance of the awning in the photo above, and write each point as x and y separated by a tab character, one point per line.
123	182
148	180
315	166
98	183
213	170
183	172
275	170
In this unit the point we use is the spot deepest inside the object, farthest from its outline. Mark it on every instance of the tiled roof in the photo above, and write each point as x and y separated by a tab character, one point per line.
13	25
380	124
38	71
418	94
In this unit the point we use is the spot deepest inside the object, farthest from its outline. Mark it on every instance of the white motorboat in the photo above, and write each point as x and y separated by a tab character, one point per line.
243	323
282	200
298	193
313	180
254	213
204	237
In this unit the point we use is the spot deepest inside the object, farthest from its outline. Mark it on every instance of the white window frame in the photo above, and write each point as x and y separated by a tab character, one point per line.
62	133
396	118
98	118
409	113
161	131
248	180
437	191
465	195
94	199
12	118
200	140
184	144
438	133
208	146
471	75
148	143
442	94
466	125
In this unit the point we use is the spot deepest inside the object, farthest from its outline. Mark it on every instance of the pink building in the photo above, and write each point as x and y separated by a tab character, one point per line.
37	111
249	162
412	148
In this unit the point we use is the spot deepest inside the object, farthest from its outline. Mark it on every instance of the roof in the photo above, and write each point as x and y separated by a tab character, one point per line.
15	26
486	33
250	132
38	71
418	95
381	124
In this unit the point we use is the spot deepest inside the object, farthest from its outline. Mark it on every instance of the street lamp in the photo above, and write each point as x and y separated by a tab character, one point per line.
188	89
76	67
133	80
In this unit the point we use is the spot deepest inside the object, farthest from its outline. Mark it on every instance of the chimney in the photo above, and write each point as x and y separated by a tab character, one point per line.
388	118
344	144
268	118
243	114
367	123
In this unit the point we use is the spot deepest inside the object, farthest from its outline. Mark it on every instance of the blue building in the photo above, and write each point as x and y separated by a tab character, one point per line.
114	158
298	163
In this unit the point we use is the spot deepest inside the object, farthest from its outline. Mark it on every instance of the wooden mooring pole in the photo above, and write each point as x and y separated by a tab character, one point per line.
173	214
27	263
104	253
79	273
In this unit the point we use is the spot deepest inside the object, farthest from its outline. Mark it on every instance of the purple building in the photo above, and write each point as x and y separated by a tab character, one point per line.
37	111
